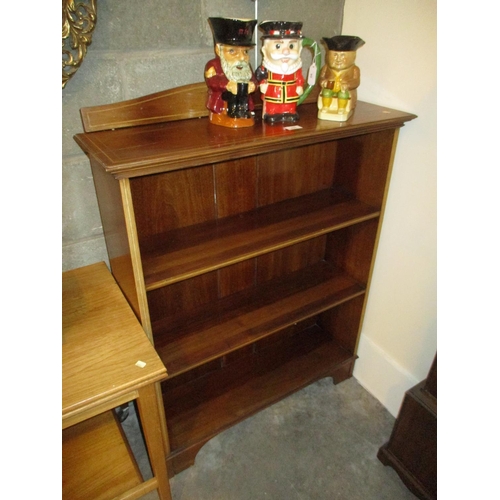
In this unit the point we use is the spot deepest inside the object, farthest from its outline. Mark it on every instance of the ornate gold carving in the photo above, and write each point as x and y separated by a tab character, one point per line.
78	23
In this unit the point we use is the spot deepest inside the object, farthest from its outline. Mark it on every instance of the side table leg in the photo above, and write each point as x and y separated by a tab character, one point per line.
152	426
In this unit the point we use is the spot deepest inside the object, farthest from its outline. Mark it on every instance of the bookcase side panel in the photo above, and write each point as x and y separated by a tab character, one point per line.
115	233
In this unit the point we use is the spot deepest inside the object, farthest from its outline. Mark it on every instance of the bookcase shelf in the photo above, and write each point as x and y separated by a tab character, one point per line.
268	375
242	318
191	251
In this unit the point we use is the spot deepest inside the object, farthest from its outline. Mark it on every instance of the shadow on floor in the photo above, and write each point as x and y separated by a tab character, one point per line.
320	443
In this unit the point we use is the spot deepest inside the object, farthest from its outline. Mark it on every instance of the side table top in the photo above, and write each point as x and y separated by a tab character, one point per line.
105	352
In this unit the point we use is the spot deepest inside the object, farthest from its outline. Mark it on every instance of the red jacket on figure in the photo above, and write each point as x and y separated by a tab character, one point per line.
281	94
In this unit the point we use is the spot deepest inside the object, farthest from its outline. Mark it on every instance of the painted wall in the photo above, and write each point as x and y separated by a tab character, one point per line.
398	70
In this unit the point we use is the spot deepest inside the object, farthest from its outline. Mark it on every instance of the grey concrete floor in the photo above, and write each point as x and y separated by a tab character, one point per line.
320	443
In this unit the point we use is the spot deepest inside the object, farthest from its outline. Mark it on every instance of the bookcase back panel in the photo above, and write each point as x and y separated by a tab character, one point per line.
173	200
183	297
290	259
235	278
236	186
295	172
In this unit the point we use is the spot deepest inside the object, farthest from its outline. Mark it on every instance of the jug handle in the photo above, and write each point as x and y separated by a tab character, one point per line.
312	79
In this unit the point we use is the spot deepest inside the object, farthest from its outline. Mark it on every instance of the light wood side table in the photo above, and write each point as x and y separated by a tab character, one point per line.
107	361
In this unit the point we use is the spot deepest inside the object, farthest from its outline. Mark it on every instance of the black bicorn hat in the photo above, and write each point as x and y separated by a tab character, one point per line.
281	29
344	43
238	32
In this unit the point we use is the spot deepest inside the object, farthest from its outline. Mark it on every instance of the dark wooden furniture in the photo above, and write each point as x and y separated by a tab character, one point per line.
412	448
107	360
245	253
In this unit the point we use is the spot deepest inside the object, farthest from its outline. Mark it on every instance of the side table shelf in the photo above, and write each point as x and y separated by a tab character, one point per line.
107	360
97	461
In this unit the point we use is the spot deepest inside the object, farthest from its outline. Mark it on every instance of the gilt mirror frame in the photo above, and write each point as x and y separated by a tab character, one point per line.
78	23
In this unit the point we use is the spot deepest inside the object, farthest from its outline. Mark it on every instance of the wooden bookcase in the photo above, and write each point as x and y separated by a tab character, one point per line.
246	254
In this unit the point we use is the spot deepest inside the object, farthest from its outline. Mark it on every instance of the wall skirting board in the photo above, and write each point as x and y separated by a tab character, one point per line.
381	375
